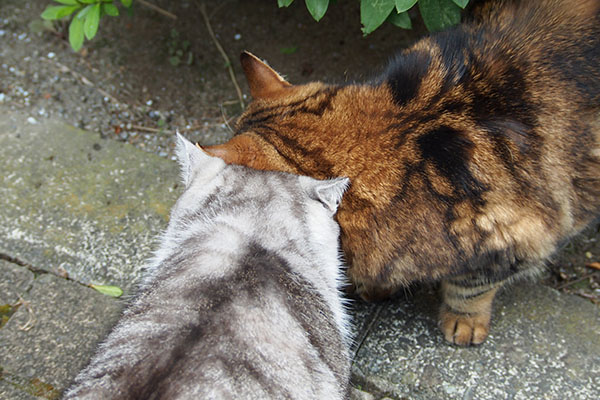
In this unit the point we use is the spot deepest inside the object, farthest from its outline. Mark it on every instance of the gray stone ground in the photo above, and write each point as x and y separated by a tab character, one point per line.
75	210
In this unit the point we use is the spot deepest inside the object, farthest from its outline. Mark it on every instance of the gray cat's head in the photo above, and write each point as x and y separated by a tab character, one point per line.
280	205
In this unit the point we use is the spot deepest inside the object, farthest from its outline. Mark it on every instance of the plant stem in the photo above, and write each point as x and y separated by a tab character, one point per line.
582	278
202	7
157	9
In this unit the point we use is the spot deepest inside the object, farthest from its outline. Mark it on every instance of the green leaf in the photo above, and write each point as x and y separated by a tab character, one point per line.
67	2
92	19
57	12
405	5
76	32
288	50
439	14
373	13
317	8
89	1
108	290
401	20
126	3
174	61
461	3
284	3
110	9
83	13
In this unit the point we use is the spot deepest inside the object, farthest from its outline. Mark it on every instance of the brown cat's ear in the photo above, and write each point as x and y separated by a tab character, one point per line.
240	150
264	82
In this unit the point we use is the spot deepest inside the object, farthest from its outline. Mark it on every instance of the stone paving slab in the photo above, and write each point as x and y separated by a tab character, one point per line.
72	202
543	345
15	280
66	322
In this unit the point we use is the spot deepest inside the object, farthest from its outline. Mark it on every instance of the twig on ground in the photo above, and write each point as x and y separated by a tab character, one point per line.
202	7
374	319
225	119
31	321
218	8
588	296
157	9
582	278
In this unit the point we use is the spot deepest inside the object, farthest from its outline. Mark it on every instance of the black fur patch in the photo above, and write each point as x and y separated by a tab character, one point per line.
450	150
405	74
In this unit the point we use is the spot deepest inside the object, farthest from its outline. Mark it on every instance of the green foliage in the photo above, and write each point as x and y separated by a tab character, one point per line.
179	50
288	50
317	8
113	291
437	14
86	16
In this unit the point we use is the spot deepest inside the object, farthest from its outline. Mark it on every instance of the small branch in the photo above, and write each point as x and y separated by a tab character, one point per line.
225	118
372	322
202	7
576	281
31	320
157	9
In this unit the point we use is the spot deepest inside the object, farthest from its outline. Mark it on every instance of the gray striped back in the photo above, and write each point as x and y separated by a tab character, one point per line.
241	299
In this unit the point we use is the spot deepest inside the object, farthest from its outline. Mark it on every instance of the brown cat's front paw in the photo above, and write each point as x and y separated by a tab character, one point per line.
464	329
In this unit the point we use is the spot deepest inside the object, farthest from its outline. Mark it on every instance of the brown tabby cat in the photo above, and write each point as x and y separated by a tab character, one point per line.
471	159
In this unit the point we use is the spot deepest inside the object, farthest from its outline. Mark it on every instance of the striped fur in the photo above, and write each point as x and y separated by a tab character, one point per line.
472	158
241	300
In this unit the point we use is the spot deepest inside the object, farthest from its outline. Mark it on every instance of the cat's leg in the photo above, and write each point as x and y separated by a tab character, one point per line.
466	310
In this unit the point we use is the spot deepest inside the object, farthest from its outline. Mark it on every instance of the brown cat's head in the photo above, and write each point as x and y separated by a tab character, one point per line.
265	85
275	103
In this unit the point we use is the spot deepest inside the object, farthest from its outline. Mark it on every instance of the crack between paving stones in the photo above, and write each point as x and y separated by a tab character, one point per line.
363	337
37	270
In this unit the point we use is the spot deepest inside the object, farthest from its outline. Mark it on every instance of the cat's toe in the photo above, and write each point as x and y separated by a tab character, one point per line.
464	329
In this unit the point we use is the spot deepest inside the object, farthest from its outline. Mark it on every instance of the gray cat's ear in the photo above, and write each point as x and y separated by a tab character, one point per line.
191	157
328	192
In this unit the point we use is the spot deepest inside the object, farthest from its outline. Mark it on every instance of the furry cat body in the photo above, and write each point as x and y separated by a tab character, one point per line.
471	159
241	300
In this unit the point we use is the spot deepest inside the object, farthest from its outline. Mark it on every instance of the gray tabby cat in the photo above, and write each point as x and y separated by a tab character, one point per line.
241	300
